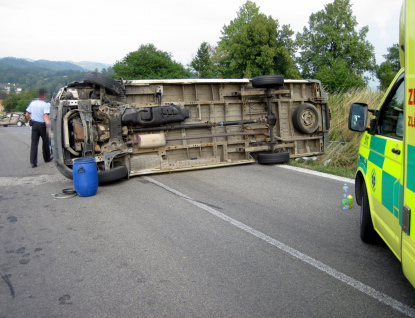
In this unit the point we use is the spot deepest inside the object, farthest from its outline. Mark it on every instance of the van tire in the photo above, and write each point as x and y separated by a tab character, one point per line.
67	172
19	123
306	118
105	81
268	81
112	175
273	158
367	232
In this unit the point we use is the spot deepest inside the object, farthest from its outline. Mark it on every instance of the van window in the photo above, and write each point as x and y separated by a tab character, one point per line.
391	115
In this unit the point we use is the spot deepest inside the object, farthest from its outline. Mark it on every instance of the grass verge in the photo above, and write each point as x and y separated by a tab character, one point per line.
345	162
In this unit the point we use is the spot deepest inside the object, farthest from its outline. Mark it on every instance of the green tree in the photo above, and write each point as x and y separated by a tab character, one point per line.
254	44
18	102
217	57
107	71
245	15
148	62
221	56
258	50
393	57
202	63
332	44
387	70
3	95
337	77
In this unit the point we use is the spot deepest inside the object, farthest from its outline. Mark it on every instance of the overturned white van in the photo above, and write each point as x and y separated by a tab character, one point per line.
137	127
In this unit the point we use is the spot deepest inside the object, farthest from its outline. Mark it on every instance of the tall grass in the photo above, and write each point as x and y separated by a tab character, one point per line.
345	162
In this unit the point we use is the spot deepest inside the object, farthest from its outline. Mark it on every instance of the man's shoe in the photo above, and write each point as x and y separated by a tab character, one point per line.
34	166
50	159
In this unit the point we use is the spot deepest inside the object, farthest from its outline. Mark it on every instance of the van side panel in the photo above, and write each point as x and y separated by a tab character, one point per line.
195	146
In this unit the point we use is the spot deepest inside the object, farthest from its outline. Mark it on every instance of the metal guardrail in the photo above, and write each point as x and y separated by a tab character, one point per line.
336	148
333	149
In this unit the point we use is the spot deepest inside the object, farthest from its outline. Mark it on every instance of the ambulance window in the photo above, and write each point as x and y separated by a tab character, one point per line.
391	115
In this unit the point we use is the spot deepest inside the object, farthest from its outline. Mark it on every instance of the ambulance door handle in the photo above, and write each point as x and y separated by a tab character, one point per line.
397	151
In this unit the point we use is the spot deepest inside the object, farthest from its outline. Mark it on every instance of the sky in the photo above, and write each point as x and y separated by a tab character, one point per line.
106	31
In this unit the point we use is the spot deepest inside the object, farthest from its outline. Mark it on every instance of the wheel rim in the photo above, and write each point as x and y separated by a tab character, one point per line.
308	118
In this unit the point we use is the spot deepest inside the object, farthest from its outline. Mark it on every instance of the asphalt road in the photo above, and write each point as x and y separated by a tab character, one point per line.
244	241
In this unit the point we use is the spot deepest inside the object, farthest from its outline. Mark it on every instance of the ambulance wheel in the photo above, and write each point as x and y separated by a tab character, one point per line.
367	232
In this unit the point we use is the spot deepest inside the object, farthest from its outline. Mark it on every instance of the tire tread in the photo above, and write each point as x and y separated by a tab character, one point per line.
273	158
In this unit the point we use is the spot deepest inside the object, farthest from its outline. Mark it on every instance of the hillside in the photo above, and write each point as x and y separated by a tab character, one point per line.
12	62
82	66
91	66
30	74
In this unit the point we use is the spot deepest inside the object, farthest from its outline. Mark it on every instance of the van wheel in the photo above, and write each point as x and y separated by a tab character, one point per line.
105	81
367	232
306	118
67	172
5	125
112	175
268	81
273	158
19	123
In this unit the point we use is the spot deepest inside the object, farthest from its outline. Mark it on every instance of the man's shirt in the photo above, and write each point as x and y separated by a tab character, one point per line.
37	109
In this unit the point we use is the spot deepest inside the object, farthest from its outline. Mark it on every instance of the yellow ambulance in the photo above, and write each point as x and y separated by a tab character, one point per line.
385	178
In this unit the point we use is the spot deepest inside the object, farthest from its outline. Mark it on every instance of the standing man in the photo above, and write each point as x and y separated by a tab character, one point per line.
37	113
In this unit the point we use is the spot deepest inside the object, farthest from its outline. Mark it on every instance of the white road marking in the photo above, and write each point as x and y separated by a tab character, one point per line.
379	296
317	173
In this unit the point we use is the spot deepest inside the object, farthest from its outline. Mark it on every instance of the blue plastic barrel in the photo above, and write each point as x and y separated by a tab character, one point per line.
85	177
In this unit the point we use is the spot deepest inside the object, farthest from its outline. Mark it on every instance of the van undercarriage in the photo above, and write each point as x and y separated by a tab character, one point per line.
137	127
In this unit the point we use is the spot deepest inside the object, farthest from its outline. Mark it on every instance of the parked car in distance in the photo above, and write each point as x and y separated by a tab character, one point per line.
15	118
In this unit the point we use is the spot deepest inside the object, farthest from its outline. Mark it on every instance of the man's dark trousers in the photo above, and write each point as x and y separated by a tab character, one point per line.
39	130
